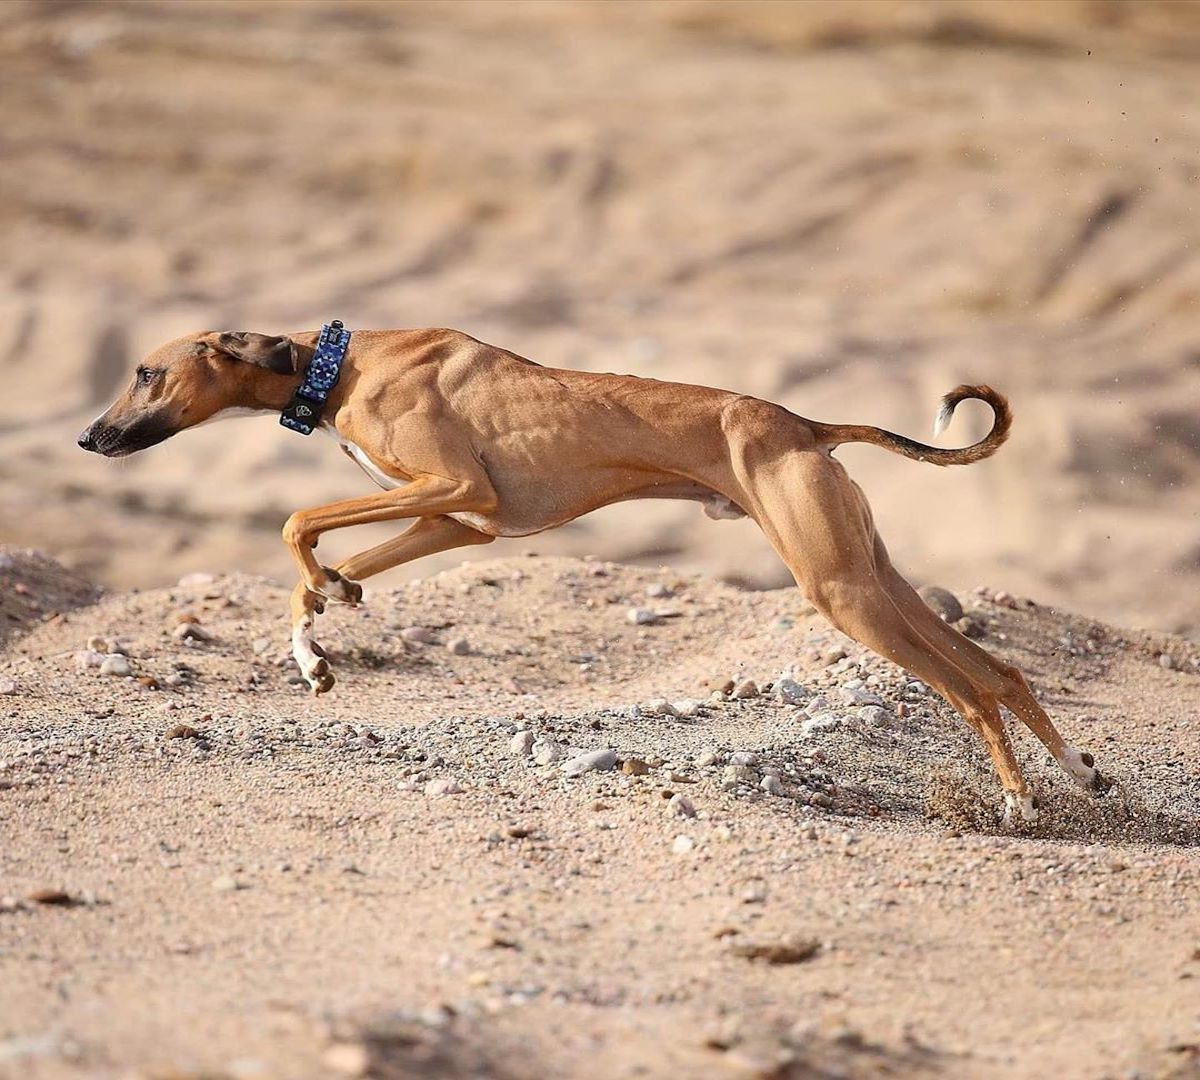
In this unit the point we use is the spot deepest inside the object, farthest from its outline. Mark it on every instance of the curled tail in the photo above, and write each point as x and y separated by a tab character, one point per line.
834	434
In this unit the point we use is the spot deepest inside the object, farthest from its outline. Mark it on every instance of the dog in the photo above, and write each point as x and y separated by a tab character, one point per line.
471	442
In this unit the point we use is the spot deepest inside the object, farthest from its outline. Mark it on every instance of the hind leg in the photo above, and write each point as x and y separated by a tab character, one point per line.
811	513
1003	680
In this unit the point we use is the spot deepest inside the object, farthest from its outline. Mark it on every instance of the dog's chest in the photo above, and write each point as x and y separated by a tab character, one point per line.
359	455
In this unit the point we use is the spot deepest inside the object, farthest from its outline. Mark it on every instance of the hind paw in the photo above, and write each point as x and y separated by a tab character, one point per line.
1082	769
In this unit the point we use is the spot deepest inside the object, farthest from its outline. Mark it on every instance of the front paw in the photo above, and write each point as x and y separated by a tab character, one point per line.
340	589
1020	808
319	678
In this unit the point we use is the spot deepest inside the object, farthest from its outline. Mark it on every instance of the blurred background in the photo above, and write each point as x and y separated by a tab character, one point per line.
845	207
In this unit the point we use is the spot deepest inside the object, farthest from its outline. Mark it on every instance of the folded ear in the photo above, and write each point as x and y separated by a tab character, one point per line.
277	354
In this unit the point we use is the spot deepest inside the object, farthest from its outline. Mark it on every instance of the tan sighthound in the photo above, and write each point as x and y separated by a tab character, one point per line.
471	442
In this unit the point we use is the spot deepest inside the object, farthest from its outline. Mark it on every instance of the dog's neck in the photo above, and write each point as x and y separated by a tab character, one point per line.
271	393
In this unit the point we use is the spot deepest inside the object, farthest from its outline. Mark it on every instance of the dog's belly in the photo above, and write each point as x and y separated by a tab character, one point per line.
716	506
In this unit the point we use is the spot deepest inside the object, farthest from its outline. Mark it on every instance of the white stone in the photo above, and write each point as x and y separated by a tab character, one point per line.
772	785
521	743
547	751
681	845
681	806
641	616
115	665
789	691
823	721
874	716
592	761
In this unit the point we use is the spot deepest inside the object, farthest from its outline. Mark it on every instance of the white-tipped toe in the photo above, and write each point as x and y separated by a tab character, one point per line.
1017	806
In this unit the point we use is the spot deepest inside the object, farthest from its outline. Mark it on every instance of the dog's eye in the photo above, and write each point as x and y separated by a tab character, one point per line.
145	376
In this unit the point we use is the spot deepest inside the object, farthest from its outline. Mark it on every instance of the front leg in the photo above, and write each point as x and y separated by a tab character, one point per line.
428	495
424	537
306	606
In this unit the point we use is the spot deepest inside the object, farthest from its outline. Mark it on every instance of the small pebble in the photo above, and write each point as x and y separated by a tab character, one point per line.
874	716
789	949
772	785
634	767
88	658
419	635
681	806
182	731
852	696
521	743
753	891
443	786
789	691
190	631
8	687
740	774
547	751
822	721
681	845
942	601
745	689
189	580
658	590
707	758
115	665
51	897
641	616
743	757
226	883
459	646
593	761
1166	661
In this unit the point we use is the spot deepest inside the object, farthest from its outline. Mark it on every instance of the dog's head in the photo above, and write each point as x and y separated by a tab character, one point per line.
188	381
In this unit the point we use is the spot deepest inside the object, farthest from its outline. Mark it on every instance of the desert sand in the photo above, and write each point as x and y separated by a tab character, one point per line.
532	834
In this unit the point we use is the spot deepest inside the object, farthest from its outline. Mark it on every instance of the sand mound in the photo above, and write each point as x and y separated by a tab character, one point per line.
34	588
524	823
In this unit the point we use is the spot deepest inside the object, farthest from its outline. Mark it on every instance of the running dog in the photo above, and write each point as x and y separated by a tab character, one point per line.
471	442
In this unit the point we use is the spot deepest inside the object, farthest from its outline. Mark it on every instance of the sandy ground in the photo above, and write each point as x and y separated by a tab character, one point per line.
256	883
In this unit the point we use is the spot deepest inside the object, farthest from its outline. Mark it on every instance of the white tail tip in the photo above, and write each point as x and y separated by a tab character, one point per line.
942	420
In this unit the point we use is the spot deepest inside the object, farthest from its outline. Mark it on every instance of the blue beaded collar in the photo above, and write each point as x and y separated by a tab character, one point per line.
303	412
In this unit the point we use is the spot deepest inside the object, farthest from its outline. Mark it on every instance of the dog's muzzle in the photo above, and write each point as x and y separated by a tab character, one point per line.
113	441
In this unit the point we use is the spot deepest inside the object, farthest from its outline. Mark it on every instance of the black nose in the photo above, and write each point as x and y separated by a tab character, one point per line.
88	439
